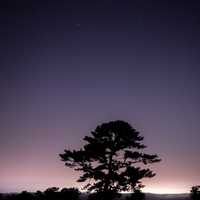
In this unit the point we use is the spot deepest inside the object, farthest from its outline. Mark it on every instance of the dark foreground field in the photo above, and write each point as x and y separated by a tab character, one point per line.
167	196
149	196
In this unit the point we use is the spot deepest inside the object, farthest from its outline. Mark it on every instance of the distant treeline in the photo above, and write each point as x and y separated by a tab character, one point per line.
49	194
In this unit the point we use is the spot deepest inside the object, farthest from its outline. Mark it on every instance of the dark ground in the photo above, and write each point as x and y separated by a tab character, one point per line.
149	196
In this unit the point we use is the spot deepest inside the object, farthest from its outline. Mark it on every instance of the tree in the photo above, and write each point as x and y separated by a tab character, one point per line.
110	158
195	192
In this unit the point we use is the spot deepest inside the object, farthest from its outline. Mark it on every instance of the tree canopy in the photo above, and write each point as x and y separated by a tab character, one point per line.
111	159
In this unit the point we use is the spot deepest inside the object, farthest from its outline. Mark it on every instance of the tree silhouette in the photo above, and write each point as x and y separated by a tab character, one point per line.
110	158
195	192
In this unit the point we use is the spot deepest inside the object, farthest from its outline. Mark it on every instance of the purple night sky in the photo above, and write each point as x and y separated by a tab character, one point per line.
67	66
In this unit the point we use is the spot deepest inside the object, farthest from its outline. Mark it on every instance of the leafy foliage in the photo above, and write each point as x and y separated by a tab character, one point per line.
110	158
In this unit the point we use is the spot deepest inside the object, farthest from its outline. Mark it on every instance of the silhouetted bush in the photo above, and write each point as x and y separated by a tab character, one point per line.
24	195
69	193
52	193
137	195
20	196
104	195
195	192
39	195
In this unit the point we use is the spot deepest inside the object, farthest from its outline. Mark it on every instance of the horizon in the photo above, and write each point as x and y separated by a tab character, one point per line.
169	192
85	192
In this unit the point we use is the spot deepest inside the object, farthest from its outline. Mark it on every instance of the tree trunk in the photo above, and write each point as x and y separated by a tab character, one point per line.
108	178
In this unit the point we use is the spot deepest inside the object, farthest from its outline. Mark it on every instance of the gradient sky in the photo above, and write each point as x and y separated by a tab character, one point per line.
67	66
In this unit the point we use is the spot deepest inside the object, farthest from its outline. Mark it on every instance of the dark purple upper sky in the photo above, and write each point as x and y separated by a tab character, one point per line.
67	66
